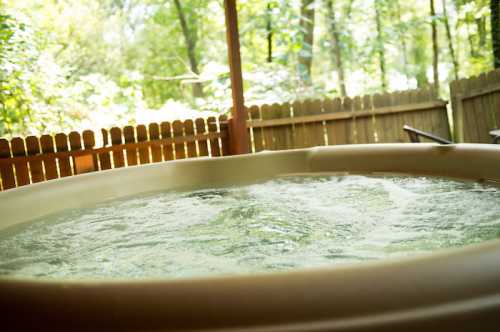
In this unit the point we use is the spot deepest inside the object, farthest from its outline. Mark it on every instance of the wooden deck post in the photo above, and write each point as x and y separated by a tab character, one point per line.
237	125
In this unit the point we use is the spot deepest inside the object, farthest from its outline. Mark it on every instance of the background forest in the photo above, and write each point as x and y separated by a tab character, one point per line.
79	64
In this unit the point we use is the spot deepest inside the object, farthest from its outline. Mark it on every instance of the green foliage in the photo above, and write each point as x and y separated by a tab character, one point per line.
16	55
72	64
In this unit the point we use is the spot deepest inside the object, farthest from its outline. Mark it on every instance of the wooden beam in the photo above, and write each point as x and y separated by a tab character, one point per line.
237	124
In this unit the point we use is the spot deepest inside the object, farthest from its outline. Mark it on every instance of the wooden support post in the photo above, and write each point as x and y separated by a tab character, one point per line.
239	134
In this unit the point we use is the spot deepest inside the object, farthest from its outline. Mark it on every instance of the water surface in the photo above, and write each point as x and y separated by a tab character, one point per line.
282	224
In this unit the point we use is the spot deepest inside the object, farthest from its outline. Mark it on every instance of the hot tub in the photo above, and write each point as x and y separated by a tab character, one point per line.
457	289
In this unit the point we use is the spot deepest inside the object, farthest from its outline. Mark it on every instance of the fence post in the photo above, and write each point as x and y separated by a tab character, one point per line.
239	134
457	110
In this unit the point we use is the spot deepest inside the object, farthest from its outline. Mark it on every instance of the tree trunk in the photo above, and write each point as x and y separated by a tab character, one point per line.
446	22
495	31
191	48
481	30
419	59
435	57
307	10
336	48
269	30
473	52
380	46
402	38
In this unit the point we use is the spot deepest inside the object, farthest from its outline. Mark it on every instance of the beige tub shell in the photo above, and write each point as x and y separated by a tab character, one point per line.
451	290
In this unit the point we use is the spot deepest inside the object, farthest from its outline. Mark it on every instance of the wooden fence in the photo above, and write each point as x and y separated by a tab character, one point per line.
33	159
363	119
476	107
368	119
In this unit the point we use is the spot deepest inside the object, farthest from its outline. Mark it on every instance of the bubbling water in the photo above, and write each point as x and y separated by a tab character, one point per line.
282	224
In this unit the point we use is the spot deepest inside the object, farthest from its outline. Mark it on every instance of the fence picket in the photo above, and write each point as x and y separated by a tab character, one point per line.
50	164
403	98
118	155
129	136
249	130
64	163
88	139
458	105
268	113
202	144
494	79
314	131
396	133
397	100
177	129
360	124
166	133
413	96
6	171
154	134
487	113
371	121
347	106
189	131
424	117
36	167
299	128
490	100
469	119
142	136
335	129
428	116
75	141
258	140
224	141
89	144
81	164
215	150
104	158
386	124
21	167
284	134
481	115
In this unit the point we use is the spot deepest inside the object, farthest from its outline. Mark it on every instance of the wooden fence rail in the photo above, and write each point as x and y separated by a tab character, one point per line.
33	159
